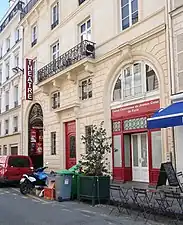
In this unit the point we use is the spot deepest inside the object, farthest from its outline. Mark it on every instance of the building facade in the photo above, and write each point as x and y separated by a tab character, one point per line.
10	79
90	68
175	11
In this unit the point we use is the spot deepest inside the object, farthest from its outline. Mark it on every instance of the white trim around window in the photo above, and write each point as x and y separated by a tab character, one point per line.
55	50
129	11
85	30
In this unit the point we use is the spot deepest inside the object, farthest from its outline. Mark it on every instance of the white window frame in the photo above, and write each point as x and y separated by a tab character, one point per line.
87	32
17	60
35	70
7	98
7	124
34	33
55	55
178	89
1	51
7	69
17	35
1	74
16	90
130	14
15	124
143	80
8	43
57	13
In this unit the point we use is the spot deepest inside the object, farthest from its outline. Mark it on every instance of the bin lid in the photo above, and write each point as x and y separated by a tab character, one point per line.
65	172
75	168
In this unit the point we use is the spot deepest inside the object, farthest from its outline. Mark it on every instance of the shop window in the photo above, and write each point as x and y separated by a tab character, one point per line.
55	100
88	133
86	89
134	124
116	126
5	150
0	128
134	81
156	149
53	143
117	151
129	13
127	149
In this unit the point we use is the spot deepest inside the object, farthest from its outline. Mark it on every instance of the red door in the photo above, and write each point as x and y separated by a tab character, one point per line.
70	131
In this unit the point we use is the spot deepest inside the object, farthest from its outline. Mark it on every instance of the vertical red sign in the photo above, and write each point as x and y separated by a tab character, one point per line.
29	79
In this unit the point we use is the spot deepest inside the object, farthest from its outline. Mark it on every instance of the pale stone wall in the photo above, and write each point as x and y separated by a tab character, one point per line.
115	49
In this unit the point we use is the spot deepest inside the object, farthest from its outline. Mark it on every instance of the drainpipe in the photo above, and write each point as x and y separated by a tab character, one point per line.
170	57
22	94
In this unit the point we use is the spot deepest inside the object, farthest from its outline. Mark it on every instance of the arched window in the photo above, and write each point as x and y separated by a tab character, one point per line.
135	80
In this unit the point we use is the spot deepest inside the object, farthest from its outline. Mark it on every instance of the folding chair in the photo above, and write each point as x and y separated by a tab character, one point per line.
142	198
171	205
120	199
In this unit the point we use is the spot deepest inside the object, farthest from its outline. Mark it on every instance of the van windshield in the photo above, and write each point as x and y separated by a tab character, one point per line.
19	162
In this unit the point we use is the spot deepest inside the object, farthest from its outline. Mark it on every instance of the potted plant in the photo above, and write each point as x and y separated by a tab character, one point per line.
94	184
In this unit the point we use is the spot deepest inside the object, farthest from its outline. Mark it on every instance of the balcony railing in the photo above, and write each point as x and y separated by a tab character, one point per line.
28	7
10	15
82	50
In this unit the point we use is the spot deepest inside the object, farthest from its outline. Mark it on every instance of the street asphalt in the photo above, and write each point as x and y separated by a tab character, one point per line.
16	209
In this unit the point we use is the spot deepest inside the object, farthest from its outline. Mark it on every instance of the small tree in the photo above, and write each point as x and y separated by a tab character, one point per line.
95	161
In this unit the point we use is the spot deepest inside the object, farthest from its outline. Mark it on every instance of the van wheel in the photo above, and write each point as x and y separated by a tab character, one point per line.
24	188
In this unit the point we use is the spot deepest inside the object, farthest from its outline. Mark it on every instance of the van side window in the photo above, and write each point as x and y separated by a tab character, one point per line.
19	162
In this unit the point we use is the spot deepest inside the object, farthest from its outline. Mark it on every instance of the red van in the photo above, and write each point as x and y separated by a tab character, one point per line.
12	167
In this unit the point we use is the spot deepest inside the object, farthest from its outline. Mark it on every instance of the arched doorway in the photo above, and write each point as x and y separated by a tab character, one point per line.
35	132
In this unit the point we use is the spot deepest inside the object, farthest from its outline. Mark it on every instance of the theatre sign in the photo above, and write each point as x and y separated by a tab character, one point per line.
29	79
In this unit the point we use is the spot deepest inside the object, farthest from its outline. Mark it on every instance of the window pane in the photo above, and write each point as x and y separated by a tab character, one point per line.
127	150
83	27
124	2
72	147
117	151
125	11
89	35
117	90
125	23
127	82
134	5
151	79
137	79
135	17
88	23
156	149
135	150
19	162
144	150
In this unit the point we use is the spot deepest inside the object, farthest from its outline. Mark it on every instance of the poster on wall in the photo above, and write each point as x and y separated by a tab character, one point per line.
33	141
29	79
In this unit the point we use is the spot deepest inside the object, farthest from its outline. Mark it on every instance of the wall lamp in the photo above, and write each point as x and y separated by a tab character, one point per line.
17	69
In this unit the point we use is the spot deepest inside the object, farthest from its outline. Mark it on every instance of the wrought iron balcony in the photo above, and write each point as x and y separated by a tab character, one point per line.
6	20
82	50
28	7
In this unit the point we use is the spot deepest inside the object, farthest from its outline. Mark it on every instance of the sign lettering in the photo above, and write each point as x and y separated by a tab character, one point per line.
140	108
29	79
